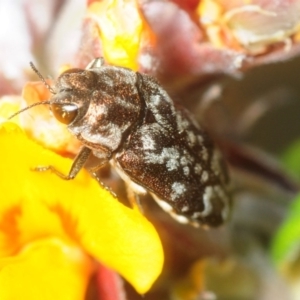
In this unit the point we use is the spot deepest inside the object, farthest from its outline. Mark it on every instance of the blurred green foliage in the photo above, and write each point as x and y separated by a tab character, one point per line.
285	250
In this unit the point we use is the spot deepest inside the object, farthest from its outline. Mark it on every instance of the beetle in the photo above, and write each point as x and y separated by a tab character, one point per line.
127	119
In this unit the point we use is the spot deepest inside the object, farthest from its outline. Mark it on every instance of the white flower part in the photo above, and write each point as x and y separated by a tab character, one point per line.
255	27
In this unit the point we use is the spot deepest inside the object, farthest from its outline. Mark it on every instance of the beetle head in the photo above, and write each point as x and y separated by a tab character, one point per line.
71	88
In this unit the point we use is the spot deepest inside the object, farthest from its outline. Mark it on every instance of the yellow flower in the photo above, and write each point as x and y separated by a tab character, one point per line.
52	231
122	30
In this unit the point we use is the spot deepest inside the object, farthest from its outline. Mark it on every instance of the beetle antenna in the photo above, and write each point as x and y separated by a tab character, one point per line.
33	67
27	107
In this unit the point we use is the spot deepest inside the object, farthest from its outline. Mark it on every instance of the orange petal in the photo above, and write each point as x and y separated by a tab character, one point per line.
41	126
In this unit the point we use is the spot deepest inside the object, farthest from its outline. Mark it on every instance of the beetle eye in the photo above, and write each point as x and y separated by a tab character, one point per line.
64	112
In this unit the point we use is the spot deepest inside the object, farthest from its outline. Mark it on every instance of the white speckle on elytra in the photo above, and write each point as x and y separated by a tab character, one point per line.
191	137
186	171
185	208
182	123
184	161
148	142
172	164
204	154
197	169
169	156
155	99
200	139
178	189
204	176
207	195
187	157
219	191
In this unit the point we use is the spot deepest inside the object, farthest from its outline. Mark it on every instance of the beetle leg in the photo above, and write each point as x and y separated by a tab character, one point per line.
95	63
93	172
77	165
134	199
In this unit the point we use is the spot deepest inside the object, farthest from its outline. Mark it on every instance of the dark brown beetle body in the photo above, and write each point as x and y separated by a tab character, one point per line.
126	118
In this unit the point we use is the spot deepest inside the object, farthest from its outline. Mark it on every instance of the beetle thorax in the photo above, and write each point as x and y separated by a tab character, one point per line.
113	108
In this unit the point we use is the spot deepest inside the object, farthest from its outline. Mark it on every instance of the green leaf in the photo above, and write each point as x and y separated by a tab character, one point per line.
291	158
286	243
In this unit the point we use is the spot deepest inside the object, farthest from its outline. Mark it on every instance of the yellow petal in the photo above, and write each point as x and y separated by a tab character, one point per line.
8	106
46	269
132	246
121	27
38	204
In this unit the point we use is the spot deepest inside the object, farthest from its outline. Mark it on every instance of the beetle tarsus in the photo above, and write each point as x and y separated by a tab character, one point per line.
53	170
